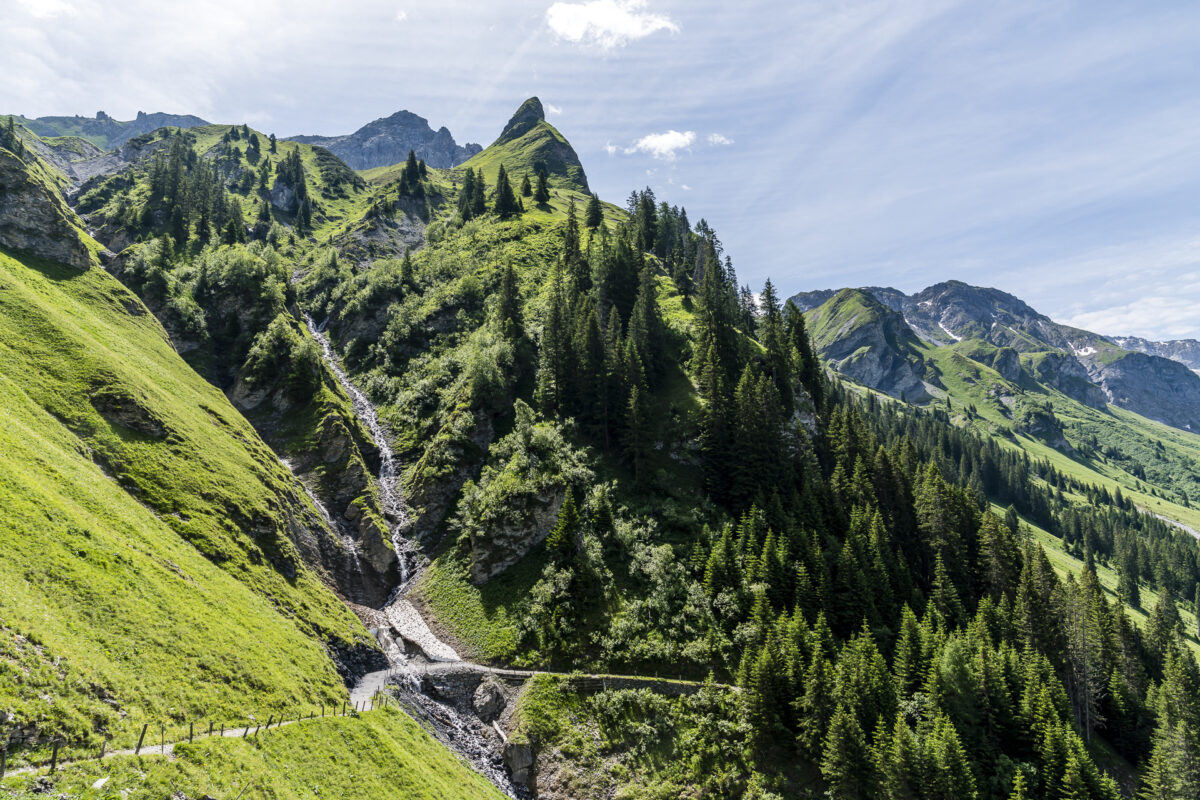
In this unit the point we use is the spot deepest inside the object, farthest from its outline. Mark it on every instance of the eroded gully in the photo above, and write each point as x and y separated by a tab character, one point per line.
401	631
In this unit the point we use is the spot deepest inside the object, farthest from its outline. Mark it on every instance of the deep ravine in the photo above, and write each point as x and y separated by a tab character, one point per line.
399	627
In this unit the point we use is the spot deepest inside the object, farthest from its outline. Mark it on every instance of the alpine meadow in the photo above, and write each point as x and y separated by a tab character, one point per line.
380	465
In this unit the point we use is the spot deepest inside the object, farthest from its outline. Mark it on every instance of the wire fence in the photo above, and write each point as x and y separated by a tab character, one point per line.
24	749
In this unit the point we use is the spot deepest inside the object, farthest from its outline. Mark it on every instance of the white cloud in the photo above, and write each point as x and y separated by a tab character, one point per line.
685	187
553	109
401	15
663	145
45	9
606	23
610	148
716	138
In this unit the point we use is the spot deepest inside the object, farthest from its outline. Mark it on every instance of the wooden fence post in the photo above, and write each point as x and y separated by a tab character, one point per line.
103	744
162	739
210	727
54	755
191	731
141	738
3	758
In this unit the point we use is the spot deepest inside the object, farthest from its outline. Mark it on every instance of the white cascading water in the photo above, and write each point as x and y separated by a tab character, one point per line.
393	505
467	738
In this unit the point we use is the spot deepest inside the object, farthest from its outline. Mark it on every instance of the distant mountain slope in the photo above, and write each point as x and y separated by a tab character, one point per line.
1185	351
106	132
1086	366
387	141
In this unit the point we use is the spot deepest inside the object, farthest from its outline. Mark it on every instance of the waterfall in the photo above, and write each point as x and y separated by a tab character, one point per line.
393	504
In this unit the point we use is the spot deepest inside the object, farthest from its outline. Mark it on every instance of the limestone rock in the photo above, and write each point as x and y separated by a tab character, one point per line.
36	220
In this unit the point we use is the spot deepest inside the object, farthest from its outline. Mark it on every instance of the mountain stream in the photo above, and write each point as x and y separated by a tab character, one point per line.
398	626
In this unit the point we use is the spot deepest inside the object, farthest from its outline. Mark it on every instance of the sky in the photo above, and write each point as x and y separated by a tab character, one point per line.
1046	149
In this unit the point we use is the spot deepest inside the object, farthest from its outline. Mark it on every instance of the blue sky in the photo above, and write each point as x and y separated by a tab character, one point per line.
1047	149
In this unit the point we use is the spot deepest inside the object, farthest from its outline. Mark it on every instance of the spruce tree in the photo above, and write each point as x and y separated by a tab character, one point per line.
526	187
594	215
844	763
504	201
542	195
563	540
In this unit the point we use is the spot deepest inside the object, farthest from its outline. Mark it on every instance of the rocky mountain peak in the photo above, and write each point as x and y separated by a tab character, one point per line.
387	140
528	116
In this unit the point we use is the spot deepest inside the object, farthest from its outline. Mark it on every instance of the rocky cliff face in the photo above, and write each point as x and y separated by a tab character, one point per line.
35	219
1065	373
1154	387
870	344
388	140
1158	381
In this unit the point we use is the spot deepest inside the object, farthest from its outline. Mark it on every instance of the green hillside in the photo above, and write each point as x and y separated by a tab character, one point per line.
381	753
148	571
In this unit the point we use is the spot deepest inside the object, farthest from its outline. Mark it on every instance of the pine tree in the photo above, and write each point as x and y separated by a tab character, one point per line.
274	145
844	762
594	216
638	432
573	261
508	306
526	187
466	196
563	540
542	195
552	364
504	201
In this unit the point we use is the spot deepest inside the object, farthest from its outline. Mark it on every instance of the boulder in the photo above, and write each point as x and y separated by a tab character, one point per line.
489	700
519	759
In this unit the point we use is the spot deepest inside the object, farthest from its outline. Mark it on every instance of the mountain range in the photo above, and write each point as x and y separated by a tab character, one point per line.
104	131
1003	333
484	487
388	140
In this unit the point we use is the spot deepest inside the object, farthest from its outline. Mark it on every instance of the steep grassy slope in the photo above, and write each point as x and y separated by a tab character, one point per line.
382	753
148	569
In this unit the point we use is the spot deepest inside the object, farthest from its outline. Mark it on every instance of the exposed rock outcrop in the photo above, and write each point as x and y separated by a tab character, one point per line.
1065	373
1185	351
107	132
1154	387
35	219
1159	380
870	344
